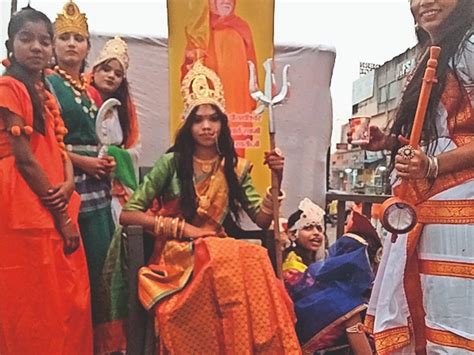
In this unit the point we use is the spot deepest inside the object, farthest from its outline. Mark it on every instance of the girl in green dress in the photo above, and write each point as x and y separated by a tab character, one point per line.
91	174
209	292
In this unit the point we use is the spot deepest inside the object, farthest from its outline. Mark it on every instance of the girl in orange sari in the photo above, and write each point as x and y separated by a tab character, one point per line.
422	300
44	298
210	293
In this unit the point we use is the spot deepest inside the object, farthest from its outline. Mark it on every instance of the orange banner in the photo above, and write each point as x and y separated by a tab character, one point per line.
225	35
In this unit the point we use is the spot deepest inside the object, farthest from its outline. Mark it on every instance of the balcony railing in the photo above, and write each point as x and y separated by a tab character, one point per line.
343	197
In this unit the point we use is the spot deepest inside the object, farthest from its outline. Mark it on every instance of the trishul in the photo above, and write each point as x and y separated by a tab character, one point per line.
267	100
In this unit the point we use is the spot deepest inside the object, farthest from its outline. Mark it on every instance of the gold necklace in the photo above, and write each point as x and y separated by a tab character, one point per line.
79	86
206	166
204	201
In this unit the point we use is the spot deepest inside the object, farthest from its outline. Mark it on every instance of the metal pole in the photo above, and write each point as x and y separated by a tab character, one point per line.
14	7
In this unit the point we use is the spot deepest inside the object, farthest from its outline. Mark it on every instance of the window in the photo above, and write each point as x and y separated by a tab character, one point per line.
383	94
355	108
393	90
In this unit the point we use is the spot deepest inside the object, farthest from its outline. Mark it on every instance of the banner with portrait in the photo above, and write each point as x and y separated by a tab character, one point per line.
225	35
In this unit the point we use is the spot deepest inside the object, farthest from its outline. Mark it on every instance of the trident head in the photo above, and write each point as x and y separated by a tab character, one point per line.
267	99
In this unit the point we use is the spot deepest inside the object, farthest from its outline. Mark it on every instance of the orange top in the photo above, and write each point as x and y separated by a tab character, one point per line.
16	197
14	97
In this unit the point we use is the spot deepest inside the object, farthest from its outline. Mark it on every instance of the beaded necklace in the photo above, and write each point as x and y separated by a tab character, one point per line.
51	107
79	90
79	86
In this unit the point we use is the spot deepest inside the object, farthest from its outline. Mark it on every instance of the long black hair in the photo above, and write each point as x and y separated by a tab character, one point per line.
184	148
454	30
123	95
17	70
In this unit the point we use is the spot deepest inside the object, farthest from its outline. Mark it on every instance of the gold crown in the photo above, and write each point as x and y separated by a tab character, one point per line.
201	86
115	48
71	20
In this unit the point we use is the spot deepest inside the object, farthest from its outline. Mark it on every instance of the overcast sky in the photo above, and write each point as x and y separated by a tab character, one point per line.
361	30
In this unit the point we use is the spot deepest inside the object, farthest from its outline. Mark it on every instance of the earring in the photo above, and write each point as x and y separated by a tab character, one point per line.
217	146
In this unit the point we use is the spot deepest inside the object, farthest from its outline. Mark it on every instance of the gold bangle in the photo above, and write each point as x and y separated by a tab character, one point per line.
433	168
162	226
169	228
267	202
166	227
155	224
181	231
175	225
281	194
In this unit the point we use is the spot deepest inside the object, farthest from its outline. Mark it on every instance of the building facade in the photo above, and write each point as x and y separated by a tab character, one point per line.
376	94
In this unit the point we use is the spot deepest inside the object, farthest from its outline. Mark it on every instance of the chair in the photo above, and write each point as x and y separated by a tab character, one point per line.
140	332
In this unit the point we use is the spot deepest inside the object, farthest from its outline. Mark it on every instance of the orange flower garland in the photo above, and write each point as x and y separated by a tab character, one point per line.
59	129
51	106
16	130
79	86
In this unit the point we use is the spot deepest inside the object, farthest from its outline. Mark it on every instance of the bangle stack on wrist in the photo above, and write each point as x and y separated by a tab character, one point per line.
433	168
169	227
267	203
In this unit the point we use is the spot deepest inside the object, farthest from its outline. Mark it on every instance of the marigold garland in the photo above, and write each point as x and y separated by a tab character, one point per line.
51	106
79	86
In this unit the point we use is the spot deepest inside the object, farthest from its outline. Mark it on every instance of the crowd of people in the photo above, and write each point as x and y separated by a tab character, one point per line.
69	150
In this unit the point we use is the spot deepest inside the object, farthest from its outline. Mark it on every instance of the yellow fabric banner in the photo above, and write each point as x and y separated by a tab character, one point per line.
225	35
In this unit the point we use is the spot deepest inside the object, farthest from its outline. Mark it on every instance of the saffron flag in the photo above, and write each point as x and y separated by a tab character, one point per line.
225	35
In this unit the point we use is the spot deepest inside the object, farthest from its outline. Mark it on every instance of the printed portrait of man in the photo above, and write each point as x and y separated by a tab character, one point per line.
224	42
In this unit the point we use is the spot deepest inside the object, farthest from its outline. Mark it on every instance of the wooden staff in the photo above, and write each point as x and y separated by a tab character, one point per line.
428	80
398	215
269	101
275	189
